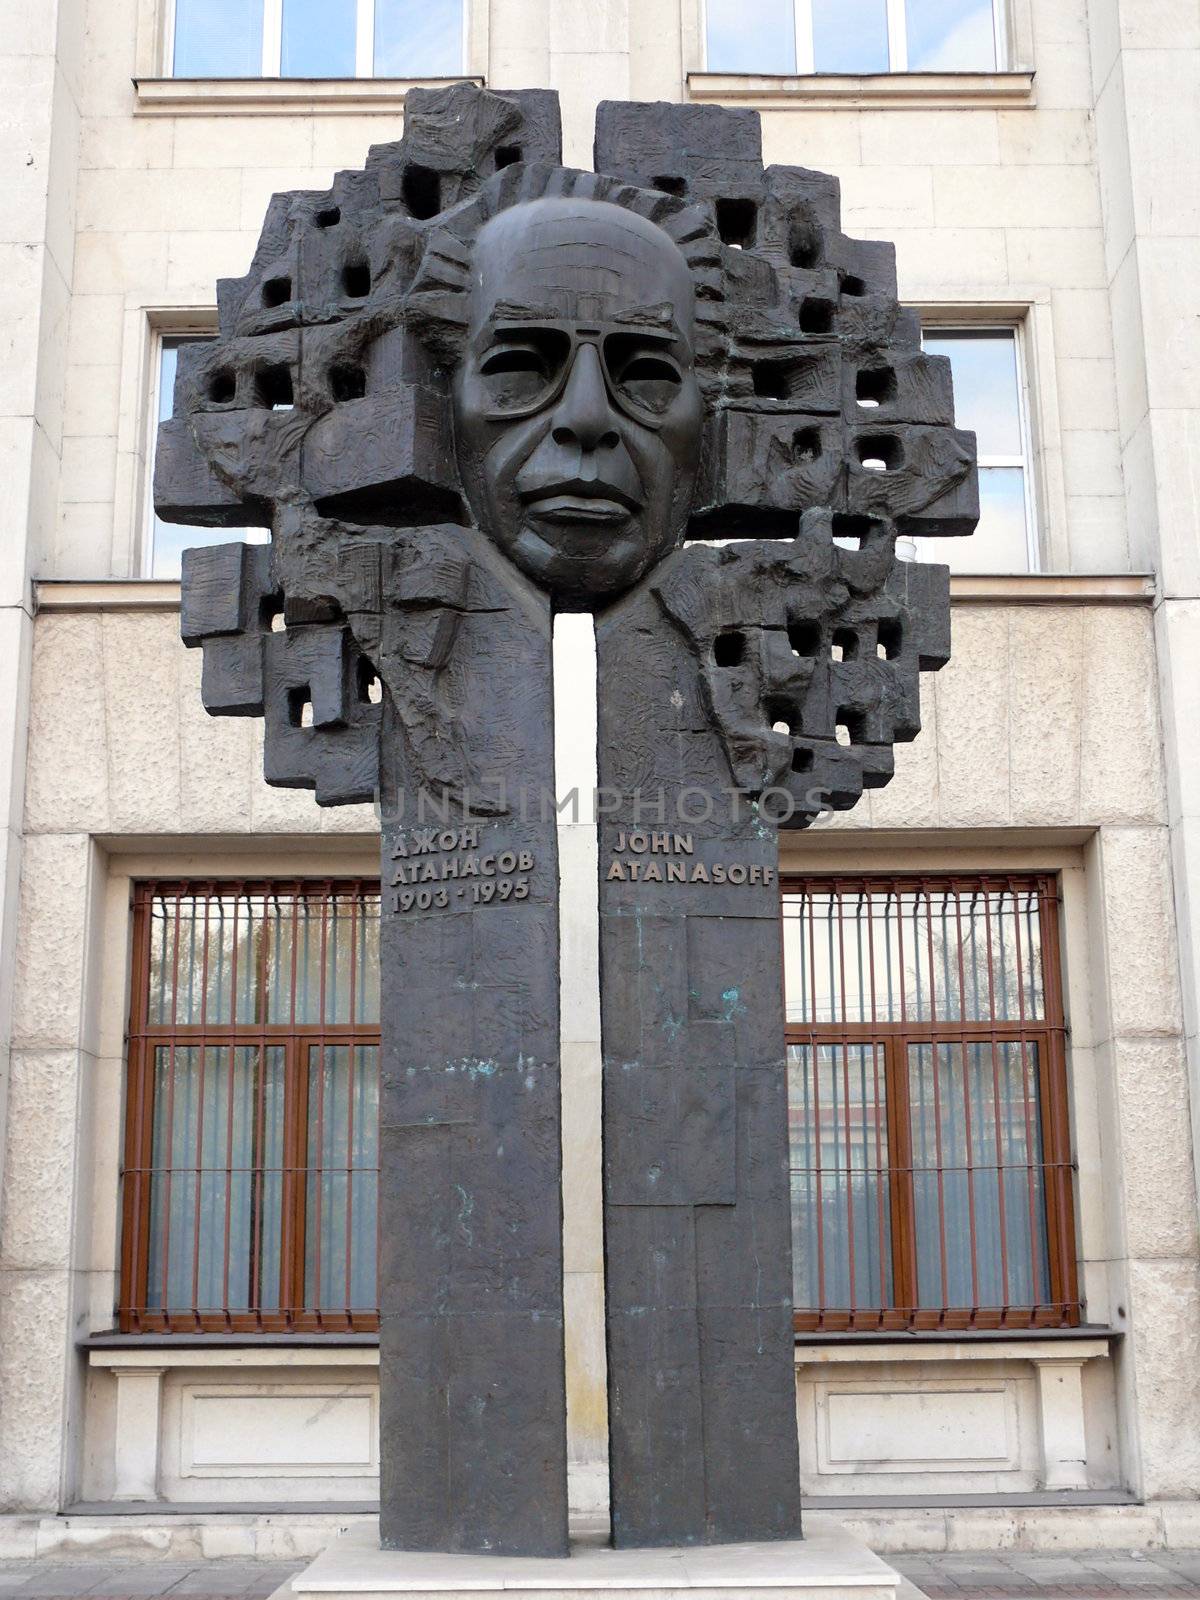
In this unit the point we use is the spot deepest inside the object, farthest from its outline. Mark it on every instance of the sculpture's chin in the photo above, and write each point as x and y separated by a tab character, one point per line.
583	562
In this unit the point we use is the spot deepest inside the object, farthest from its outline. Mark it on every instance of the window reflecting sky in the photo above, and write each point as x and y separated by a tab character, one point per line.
418	38
950	36
985	386
318	38
751	36
850	35
218	38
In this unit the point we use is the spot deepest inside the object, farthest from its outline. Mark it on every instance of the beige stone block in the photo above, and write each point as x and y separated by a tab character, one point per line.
1139	923
258	185
1061	55
277	810
83	540
218	1541
246	142
1113	169
1098	534
141	690
972	716
1043	138
1172	336
1121	776
96	330
1164	1333
1014	197
125	142
1088	1528
913	137
587	1367
582	26
196	260
583	1221
1069	258
1159	25
890	1533
812	139
156	200
66	786
1087	393
1180	1524
39	1166
358	821
92	402
341	143
875	200
1161	89
583	79
111	262
911	799
89	469
1045	692
967	1529
1157	1171
1175	441
1092	463
22	269
220	760
929	258
515	66
51	941
1082	323
34	1334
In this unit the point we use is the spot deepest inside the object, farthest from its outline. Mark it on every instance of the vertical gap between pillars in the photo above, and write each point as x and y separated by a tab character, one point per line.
579	934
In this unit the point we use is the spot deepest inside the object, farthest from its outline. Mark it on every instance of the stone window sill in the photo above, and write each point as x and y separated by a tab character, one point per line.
879	91
1073	1345
284	97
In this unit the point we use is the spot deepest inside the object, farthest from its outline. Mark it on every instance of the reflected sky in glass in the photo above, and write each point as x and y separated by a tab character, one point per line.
218	39
751	36
318	38
171	539
950	36
999	543
418	38
850	35
985	387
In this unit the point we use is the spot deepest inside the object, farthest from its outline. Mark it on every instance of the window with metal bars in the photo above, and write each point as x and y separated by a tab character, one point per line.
928	1120
251	1151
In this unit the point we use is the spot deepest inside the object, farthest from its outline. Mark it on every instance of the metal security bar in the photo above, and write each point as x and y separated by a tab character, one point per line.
251	1168
928	1121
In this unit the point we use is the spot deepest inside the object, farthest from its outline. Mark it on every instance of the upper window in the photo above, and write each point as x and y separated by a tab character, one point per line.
989	398
317	38
930	1152
167	540
252	1108
853	36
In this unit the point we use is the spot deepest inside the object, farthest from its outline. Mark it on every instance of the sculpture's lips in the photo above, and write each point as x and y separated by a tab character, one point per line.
580	500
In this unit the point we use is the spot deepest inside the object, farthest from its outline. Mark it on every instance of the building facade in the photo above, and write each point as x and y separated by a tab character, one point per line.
993	969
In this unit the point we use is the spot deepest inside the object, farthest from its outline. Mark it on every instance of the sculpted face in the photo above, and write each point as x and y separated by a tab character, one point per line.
577	412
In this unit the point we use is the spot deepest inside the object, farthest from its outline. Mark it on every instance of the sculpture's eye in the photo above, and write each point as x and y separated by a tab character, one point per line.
646	379
518	375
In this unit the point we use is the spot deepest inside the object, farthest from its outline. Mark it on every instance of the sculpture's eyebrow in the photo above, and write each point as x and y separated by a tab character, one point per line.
657	318
519	311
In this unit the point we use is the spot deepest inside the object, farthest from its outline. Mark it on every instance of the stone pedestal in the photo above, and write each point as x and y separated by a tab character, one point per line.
829	1566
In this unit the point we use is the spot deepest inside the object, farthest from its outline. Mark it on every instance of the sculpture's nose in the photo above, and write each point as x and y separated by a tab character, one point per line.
583	417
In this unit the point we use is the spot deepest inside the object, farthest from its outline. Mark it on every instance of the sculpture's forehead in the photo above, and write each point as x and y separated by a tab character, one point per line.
578	260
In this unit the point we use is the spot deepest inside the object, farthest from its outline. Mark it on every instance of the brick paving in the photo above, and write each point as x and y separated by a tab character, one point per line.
973	1575
70	1578
1088	1575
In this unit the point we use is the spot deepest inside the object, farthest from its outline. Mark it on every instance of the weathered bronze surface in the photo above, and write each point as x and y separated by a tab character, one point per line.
465	389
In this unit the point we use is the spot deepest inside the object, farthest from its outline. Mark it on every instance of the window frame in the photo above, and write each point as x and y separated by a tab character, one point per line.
897	35
143	1039
1048	1035
966	325
272	42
